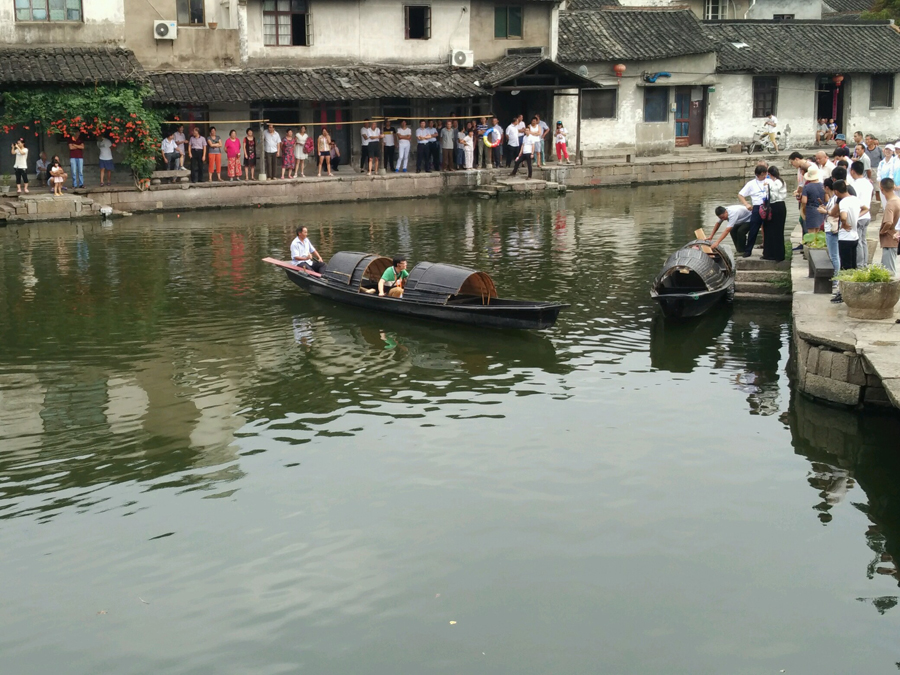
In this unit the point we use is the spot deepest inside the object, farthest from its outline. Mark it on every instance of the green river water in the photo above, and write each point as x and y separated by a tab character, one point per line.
205	470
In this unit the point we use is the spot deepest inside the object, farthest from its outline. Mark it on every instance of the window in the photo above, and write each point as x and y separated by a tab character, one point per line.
286	23
418	22
508	21
190	12
598	104
783	17
714	10
48	10
656	104
765	95
881	95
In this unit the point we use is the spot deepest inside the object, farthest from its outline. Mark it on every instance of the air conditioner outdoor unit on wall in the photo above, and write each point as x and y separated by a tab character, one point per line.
462	58
165	30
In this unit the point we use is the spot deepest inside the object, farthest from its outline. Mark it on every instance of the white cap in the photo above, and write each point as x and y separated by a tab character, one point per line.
889	147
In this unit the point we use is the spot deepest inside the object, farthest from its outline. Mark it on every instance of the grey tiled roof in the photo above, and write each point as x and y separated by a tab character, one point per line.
806	47
67	65
630	34
848	6
350	83
591	4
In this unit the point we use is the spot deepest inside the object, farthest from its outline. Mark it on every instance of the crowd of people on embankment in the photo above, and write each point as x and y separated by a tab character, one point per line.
451	145
835	194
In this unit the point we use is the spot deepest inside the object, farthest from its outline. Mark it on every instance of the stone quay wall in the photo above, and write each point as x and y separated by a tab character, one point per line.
351	187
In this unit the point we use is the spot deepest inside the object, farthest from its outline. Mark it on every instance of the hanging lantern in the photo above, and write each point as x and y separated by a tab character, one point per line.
619	68
837	79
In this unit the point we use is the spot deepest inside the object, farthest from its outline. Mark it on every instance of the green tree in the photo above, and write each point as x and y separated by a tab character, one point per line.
883	10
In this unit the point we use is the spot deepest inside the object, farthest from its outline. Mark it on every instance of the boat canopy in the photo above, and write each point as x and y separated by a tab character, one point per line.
351	267
437	283
691	269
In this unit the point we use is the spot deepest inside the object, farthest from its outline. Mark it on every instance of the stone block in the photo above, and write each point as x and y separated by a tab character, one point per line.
827	389
856	375
812	361
876	396
826	357
867	367
873	381
840	367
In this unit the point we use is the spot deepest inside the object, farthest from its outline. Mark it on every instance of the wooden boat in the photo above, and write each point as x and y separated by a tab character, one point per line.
693	279
432	291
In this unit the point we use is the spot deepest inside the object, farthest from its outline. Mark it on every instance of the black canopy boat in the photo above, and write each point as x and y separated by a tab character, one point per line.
694	278
433	291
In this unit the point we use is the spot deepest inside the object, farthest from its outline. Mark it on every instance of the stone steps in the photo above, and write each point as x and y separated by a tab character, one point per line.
756	264
761	288
762	297
768	276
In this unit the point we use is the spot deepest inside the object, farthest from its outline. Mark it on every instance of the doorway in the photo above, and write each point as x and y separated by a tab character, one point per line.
830	99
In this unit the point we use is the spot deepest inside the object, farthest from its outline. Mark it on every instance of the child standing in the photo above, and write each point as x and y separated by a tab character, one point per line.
561	139
57	176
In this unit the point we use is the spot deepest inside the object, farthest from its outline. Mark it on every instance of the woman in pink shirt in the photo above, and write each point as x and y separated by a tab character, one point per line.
233	151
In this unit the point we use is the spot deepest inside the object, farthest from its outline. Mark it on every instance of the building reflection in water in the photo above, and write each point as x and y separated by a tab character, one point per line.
849	451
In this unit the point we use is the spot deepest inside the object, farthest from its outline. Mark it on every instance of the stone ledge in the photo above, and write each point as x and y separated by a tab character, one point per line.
832	390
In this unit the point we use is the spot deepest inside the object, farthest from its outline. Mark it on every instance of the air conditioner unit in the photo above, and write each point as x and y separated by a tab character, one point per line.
165	30
462	58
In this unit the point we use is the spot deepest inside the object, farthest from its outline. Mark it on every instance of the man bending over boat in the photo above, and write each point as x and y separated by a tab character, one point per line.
737	222
302	252
393	278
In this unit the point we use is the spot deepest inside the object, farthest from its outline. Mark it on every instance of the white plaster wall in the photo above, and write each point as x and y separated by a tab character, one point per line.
103	24
730	113
735	9
365	31
881	122
801	9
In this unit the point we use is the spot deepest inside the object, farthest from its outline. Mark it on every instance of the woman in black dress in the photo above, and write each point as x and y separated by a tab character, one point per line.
773	230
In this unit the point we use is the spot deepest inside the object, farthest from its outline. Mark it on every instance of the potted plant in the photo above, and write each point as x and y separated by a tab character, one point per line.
869	292
5	183
815	252
213	25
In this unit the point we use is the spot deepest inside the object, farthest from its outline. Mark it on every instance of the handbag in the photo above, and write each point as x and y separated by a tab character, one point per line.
765	209
308	146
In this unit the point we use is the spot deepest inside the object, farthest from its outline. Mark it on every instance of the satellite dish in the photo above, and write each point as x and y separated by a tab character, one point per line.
583	71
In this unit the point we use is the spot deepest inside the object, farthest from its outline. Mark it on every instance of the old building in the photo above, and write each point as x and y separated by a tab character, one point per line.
659	100
803	71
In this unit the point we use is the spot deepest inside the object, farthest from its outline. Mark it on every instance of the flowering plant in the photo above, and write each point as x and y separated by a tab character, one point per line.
114	111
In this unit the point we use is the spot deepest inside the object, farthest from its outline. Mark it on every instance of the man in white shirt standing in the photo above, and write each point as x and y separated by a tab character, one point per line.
364	146
106	159
512	143
771	124
272	149
539	142
423	148
756	191
181	142
302	252
404	135
737	223
848	239
864	190
826	166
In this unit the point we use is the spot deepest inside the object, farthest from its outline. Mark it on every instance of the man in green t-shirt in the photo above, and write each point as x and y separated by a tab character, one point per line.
393	278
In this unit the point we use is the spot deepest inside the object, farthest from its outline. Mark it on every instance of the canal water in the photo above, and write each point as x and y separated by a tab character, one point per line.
204	470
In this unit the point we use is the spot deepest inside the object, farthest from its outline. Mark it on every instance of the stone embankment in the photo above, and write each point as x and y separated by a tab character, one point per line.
348	186
837	359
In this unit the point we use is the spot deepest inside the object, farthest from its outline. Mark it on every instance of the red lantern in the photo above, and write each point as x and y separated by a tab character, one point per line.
837	79
618	69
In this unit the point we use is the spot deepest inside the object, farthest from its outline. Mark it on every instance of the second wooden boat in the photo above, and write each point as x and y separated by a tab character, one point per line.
693	279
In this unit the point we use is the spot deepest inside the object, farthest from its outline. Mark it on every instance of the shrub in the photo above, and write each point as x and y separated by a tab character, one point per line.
870	274
814	239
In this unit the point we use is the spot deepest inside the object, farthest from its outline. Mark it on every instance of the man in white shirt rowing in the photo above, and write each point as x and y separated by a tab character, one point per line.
302	252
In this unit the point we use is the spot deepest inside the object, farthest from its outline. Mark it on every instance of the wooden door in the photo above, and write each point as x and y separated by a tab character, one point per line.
682	116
